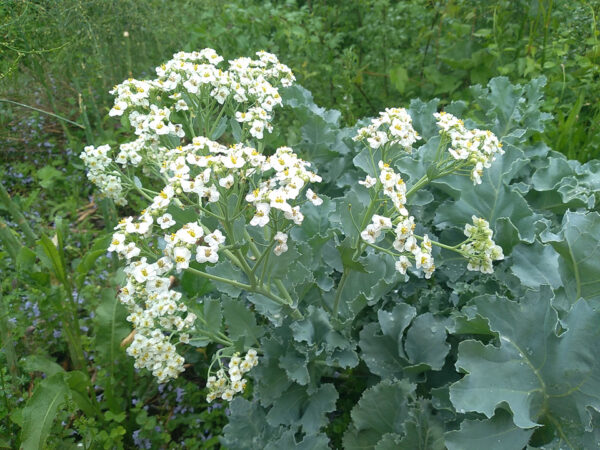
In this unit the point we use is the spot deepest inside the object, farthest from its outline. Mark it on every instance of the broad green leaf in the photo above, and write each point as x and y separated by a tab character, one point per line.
80	389
536	264
382	409
316	330
422	430
541	376
295	406
546	178
37	363
246	428
497	433
111	327
491	200
40	411
426	341
241	322
212	315
300	98
270	379
422	117
295	365
389	441
225	269
511	111
381	353
288	442
350	211
578	244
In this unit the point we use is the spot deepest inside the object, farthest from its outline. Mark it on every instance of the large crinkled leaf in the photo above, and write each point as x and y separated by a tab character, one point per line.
559	186
536	264
547	177
426	342
422	430
300	98
270	379
382	409
421	114
350	211
247	428
578	244
318	333
287	441
493	199
297	407
497	433
543	377
381	343
511	111
241	322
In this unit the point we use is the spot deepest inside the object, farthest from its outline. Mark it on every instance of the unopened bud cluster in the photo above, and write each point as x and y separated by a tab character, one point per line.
479	248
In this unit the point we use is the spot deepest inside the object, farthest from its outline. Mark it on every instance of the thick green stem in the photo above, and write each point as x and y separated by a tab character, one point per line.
423	181
220	279
338	292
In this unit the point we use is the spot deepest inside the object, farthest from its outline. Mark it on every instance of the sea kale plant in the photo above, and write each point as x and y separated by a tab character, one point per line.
424	279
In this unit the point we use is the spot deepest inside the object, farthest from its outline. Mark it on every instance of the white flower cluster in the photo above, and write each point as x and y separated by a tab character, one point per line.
157	315
188	82
478	147
99	173
155	310
196	172
405	242
394	125
226	385
291	175
189	78
479	248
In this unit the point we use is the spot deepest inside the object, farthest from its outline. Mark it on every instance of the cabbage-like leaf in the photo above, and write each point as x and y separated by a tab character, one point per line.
542	376
497	433
578	242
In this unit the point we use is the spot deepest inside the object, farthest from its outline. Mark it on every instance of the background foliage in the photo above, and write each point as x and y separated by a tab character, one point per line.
355	57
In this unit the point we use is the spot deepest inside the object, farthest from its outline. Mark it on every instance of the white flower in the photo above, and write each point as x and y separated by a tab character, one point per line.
370	234
382	222
226	182
207	254
181	256
368	182
118	243
215	238
403	264
190	233
281	239
165	221
314	198
118	109
261	216
295	215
